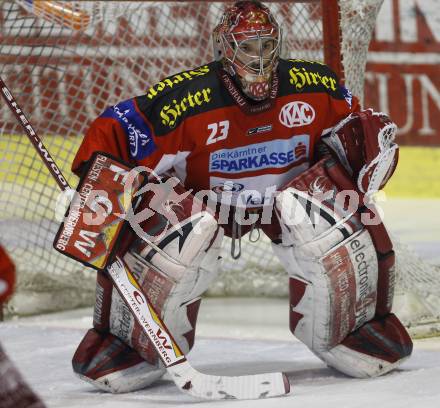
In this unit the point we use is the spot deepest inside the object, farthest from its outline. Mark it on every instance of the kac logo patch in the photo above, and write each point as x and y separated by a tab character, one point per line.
296	114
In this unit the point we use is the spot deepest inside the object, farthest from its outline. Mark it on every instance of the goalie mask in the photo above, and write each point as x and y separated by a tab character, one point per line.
248	42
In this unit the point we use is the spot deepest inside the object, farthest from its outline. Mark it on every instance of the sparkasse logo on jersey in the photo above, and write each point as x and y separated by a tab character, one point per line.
295	114
277	153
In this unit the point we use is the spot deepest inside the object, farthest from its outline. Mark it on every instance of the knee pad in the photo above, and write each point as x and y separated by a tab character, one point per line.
175	277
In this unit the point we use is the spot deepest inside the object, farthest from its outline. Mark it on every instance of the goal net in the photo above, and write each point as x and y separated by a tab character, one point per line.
66	61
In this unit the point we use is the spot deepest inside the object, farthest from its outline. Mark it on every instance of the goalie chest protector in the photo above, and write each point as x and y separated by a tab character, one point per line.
214	138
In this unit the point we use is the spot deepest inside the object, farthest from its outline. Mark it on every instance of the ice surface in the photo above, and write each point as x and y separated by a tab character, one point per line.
240	336
228	344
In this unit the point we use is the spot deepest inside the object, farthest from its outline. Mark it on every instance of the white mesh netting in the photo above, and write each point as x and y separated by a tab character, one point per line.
357	24
64	78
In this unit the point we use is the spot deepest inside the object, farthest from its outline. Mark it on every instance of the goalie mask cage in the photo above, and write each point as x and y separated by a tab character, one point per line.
66	61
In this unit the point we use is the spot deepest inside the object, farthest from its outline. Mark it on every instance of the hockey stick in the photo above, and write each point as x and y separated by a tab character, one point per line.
183	374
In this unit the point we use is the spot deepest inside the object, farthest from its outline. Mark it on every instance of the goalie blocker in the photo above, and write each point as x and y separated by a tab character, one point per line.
95	219
341	267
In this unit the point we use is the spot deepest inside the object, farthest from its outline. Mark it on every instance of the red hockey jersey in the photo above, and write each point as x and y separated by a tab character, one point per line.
198	124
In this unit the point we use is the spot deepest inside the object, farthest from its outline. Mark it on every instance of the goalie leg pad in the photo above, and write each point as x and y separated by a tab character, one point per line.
332	295
376	348
336	275
105	357
108	363
386	263
173	274
175	277
381	241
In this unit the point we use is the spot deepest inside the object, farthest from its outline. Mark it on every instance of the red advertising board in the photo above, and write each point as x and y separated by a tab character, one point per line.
403	70
66	91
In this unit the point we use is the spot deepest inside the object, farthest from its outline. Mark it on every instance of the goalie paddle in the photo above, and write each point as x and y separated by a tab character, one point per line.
186	378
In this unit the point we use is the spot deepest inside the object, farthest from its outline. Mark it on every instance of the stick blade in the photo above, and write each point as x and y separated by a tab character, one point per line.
218	387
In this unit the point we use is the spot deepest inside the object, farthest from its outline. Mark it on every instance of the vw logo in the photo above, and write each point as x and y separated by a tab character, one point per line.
228	186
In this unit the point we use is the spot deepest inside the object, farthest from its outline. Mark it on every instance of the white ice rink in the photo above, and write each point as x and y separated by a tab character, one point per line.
239	336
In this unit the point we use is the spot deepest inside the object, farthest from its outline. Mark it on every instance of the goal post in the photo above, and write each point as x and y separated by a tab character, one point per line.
66	61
